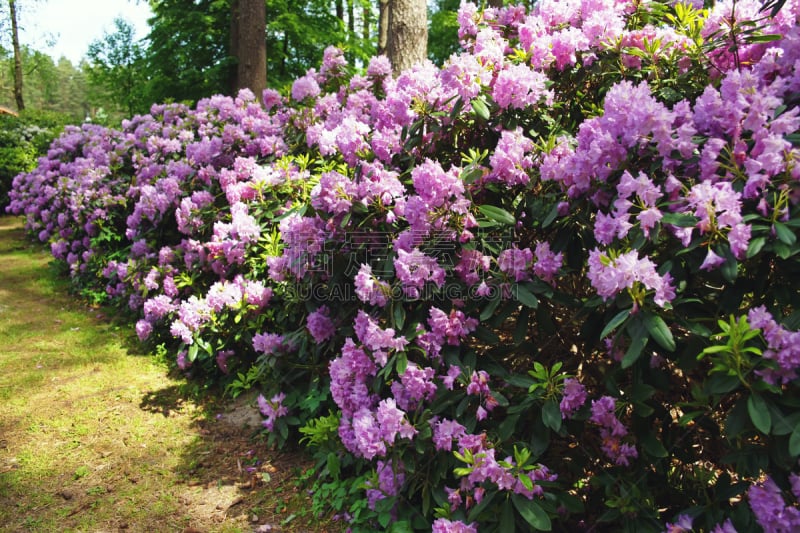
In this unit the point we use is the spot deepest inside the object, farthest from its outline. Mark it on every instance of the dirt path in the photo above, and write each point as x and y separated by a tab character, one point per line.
97	437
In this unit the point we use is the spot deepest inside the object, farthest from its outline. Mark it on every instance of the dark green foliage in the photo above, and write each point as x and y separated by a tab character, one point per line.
23	140
188	55
116	64
443	30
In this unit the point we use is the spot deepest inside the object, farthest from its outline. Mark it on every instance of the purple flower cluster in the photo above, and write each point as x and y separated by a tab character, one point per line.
573	399
610	276
443	525
390	480
271	344
783	346
272	409
370	289
516	263
210	224
772	513
612	431
415	269
320	325
505	474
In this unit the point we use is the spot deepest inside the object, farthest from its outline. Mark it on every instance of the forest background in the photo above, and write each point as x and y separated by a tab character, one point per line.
191	52
195	49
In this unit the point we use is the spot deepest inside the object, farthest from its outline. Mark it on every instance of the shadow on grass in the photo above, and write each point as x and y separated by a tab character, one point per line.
228	471
178	456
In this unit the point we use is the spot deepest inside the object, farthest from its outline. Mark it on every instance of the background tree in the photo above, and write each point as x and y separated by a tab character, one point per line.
54	87
12	9
443	30
192	52
299	32
383	26
116	62
189	54
408	33
249	45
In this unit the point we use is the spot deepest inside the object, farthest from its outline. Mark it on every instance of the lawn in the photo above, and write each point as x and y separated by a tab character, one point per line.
97	436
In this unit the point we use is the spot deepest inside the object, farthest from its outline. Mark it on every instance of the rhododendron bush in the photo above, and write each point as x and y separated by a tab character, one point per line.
549	285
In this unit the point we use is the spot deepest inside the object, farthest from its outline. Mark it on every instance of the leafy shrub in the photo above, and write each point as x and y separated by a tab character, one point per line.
23	140
549	285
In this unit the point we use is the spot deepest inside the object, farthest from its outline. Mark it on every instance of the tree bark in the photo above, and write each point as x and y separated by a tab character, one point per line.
251	44
408	34
339	6
12	5
233	80
495	3
383	26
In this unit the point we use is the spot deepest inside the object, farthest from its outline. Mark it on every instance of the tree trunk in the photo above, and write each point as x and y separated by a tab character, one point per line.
383	26
12	5
233	78
251	45
340	10
495	3
408	34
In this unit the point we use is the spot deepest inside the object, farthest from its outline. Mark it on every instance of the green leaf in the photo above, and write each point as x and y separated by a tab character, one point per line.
638	332
480	108
497	214
471	174
525	297
755	246
485	334
192	354
399	317
478	509
618	319
401	527
551	216
730	268
490	308
722	384
659	331
759	413
766	38
782	250
653	446
507	518
402	363
384	518
794	441
785	235
551	415
532	512
334	466
680	220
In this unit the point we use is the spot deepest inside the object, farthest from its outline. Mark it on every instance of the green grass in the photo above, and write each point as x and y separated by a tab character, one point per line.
96	438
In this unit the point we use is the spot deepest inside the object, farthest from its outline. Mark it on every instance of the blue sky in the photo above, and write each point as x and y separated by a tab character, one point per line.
70	25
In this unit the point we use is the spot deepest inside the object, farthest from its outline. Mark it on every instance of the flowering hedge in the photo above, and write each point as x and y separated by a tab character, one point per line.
548	285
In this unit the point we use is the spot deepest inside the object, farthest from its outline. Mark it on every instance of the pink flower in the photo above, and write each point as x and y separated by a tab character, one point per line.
547	263
518	86
414	269
516	263
370	289
711	261
573	399
320	326
305	87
